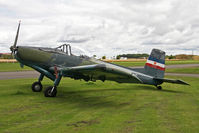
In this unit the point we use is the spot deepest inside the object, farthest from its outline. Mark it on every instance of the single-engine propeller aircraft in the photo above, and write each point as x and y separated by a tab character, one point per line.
55	63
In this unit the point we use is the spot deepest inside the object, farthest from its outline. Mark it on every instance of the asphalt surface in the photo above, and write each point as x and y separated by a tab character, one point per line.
35	74
17	75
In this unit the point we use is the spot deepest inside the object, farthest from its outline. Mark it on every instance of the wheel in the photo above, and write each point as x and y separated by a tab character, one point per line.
49	93
37	87
159	87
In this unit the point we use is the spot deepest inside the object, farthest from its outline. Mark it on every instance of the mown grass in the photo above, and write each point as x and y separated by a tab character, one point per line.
6	67
182	62
99	107
130	64
190	70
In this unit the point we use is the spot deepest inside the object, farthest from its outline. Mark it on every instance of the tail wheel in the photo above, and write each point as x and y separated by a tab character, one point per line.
37	87
159	87
50	91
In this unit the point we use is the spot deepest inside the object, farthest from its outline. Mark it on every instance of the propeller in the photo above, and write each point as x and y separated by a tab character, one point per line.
14	48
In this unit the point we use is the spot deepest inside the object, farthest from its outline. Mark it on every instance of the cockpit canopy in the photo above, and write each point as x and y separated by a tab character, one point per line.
66	48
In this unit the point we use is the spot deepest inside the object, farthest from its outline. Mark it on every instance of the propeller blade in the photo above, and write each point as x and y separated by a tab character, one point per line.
13	48
16	38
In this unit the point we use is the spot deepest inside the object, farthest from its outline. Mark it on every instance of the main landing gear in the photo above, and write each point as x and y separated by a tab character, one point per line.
50	91
37	86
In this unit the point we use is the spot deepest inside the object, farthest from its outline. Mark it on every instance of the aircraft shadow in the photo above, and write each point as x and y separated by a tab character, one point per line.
151	88
82	100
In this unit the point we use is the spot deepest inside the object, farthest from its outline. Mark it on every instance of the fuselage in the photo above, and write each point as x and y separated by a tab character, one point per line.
46	58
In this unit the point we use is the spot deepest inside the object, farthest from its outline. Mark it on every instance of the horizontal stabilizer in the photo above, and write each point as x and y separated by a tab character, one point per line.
174	81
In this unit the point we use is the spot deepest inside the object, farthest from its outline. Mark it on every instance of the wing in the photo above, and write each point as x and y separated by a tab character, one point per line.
171	81
100	72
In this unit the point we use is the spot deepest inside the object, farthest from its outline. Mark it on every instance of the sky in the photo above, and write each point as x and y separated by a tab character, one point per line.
103	27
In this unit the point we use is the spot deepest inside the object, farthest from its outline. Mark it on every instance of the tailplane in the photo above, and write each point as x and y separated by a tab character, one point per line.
155	65
174	81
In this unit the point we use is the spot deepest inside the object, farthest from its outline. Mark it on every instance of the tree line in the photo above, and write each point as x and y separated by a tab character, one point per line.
6	56
134	55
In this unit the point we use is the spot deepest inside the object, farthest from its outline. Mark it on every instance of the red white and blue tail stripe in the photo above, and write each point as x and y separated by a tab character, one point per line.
155	64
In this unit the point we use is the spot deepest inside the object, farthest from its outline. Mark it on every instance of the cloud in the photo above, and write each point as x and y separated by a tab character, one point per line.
73	40
108	27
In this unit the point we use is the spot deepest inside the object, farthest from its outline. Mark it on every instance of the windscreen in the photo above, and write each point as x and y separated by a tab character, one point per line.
79	51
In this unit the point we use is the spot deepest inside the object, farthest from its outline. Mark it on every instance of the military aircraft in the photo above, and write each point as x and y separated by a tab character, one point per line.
55	63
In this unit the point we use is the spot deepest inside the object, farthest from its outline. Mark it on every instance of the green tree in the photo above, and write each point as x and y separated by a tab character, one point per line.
171	57
118	57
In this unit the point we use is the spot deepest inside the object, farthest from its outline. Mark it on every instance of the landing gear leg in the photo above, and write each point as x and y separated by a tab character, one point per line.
159	87
51	91
37	86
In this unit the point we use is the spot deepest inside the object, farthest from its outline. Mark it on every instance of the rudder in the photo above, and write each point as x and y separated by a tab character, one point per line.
155	65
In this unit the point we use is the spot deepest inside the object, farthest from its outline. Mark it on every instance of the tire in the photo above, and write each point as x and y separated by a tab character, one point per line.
48	93
159	87
37	87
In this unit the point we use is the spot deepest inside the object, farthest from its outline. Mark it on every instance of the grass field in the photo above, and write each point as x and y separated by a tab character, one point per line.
6	67
191	70
99	108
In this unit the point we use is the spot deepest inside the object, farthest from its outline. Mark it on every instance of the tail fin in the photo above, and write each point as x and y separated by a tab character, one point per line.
155	65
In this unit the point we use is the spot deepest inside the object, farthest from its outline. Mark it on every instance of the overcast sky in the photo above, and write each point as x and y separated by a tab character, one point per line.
103	27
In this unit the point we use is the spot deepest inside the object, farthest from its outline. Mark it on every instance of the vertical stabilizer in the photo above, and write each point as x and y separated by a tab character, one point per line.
155	65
